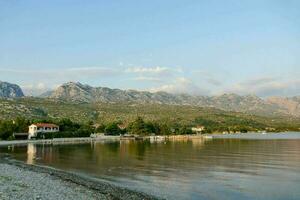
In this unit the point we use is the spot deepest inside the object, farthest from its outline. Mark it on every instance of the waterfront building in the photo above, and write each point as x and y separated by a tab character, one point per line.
34	129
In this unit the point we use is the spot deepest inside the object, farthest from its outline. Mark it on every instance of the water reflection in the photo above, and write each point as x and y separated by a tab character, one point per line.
31	153
183	169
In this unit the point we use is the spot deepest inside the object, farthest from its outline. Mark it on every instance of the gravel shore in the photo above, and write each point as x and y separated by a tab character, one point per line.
19	181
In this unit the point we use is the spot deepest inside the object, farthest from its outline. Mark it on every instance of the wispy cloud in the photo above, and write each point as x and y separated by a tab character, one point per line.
181	85
36	81
208	77
150	70
153	74
267	86
174	80
64	74
34	89
145	78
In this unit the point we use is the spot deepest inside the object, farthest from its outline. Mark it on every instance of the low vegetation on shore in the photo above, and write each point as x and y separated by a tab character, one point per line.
140	126
81	119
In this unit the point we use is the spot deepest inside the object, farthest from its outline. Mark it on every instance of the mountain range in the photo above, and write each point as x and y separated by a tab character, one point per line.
77	92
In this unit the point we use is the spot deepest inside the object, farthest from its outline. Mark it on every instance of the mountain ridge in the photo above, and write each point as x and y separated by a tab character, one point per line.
83	93
75	91
9	90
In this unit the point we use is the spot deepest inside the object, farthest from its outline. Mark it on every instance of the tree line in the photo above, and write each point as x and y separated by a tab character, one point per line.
139	126
69	128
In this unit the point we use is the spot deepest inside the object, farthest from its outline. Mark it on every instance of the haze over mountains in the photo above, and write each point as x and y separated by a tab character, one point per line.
230	102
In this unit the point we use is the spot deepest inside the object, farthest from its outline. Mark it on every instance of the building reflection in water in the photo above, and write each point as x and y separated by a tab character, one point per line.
31	153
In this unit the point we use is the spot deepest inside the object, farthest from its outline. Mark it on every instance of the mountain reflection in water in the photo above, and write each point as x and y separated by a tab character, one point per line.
183	169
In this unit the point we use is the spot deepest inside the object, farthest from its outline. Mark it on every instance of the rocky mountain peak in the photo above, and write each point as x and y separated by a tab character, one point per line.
9	90
75	91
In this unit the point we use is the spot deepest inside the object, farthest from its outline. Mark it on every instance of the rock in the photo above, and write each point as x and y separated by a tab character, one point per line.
8	90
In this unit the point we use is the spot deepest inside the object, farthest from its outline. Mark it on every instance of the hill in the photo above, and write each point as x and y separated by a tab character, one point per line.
104	113
9	90
78	92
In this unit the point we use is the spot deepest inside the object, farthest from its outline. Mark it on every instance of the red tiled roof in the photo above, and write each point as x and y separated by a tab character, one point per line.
45	125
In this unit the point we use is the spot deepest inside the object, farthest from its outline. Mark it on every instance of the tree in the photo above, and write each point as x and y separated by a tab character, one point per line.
6	130
164	129
140	127
21	125
113	129
68	125
100	128
184	130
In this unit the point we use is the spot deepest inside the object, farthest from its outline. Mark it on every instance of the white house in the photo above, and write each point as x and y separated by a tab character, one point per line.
41	128
198	129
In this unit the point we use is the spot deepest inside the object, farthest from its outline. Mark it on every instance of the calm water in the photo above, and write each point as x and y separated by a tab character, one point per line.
246	167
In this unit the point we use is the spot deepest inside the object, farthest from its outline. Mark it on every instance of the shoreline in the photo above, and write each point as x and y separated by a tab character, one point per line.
119	138
94	139
59	140
19	180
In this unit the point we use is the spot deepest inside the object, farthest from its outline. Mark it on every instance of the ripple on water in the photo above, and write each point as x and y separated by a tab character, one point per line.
194	169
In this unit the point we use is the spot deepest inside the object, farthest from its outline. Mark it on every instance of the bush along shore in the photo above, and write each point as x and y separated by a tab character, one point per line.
139	126
21	181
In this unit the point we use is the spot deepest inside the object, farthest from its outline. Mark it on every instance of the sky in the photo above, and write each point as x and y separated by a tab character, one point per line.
197	47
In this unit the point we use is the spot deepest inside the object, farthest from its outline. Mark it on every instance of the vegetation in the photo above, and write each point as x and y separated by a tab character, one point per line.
81	119
67	129
113	129
140	127
7	128
70	129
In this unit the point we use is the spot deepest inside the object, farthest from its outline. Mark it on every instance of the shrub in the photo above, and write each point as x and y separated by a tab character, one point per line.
113	129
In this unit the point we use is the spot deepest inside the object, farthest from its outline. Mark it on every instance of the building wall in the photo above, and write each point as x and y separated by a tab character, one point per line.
33	130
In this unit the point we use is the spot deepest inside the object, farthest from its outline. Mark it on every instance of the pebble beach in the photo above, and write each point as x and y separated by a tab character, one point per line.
19	181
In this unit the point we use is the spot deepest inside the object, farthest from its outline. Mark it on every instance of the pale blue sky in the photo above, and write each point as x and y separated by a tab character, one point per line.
199	47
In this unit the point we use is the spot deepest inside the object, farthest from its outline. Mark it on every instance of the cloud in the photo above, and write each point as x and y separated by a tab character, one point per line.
34	89
208	77
54	76
158	71
181	85
268	86
12	71
65	74
86	73
145	78
153	74
92	71
259	81
213	81
37	81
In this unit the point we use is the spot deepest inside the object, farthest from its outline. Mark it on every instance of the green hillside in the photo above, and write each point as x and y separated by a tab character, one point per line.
172	115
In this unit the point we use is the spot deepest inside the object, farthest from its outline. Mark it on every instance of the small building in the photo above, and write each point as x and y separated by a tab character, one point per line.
34	129
198	129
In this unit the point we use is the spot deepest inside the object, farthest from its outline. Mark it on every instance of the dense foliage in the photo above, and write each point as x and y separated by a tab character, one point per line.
113	129
67	129
7	128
